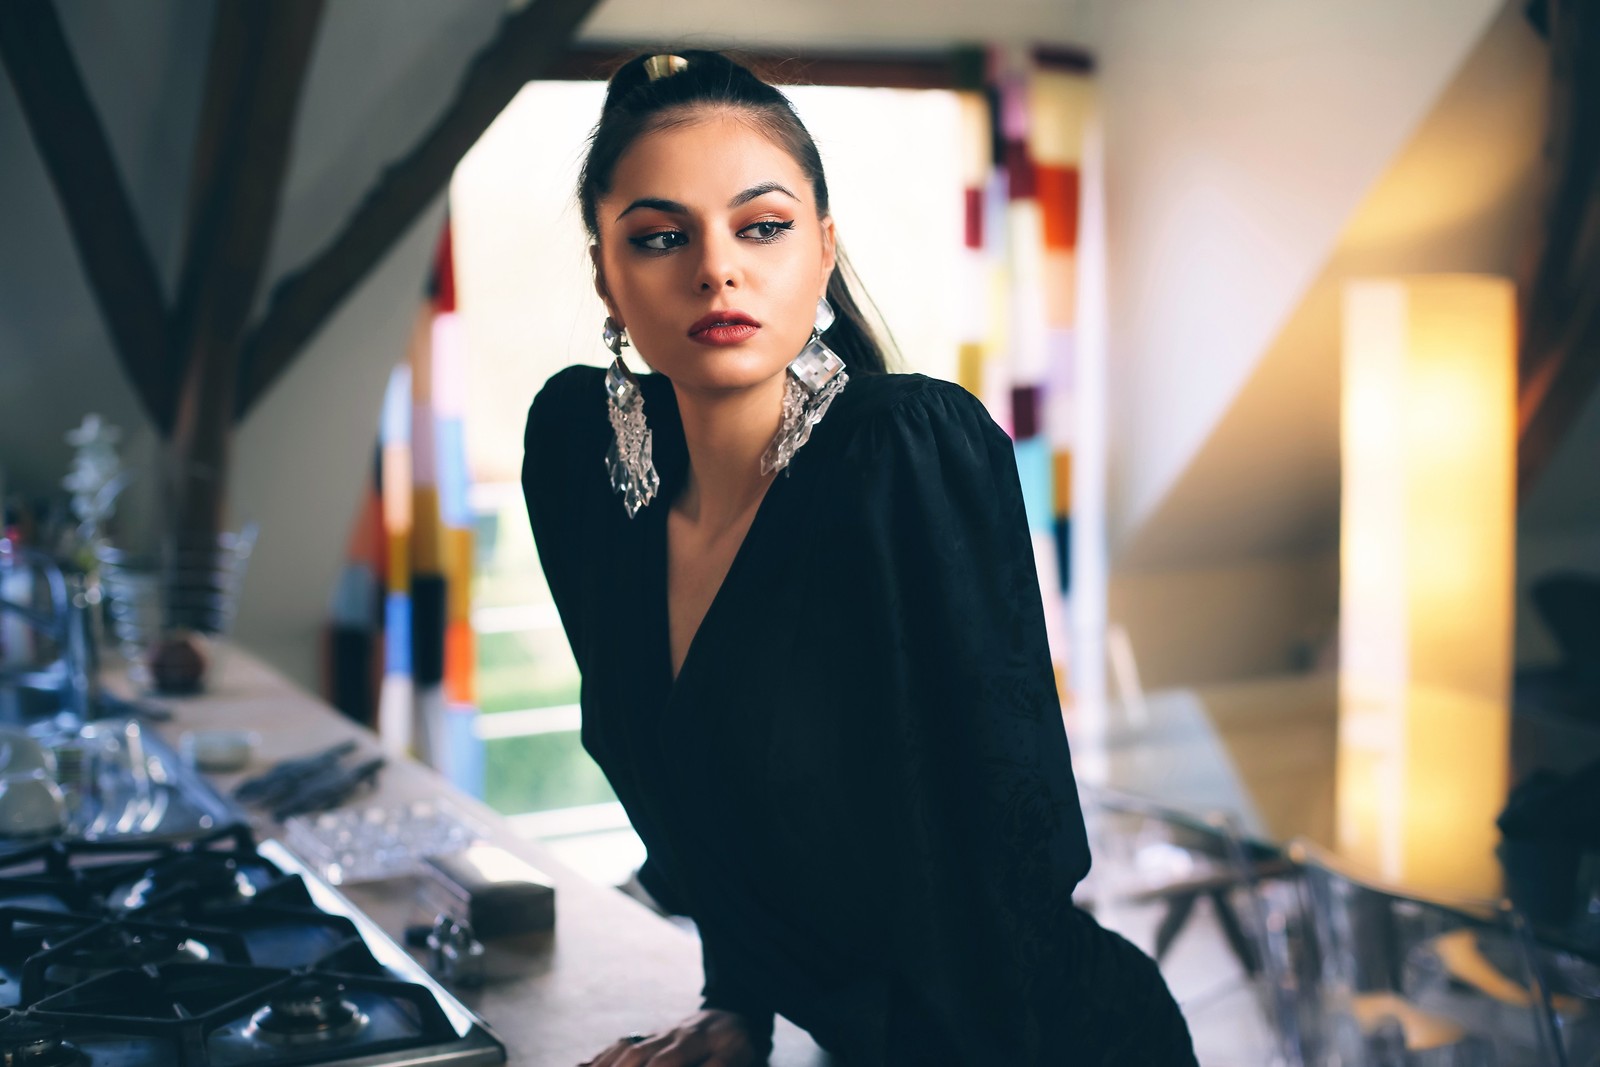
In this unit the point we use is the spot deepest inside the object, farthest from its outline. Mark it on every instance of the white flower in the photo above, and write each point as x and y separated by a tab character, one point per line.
96	476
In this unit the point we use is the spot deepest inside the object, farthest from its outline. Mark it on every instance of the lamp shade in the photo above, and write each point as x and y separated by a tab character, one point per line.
1426	594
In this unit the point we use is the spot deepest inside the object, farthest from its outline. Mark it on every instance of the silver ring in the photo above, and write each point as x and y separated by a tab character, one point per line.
634	1039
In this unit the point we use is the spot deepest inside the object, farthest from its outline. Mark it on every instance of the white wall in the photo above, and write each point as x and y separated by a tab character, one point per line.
1250	619
1240	137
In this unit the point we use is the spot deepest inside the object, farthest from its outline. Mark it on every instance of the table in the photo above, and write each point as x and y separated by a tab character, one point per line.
610	967
1265	751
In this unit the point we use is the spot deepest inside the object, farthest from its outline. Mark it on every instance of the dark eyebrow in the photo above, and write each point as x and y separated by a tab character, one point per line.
672	207
761	190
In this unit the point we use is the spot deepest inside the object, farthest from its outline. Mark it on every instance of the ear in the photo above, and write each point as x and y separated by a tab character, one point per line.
830	254
600	288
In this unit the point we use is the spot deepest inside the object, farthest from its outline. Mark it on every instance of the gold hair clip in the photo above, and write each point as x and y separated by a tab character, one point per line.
664	66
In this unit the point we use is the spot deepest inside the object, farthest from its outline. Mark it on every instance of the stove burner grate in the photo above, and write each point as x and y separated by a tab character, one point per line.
308	1011
206	954
29	1042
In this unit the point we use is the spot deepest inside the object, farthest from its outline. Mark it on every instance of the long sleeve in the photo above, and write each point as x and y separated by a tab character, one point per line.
972	828
555	485
725	989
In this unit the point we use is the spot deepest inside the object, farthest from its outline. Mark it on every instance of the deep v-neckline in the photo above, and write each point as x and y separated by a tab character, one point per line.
661	558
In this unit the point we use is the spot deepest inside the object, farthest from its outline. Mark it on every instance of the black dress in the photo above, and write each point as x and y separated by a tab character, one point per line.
859	784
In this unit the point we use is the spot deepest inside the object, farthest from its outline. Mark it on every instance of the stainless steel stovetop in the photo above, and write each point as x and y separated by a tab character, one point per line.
213	953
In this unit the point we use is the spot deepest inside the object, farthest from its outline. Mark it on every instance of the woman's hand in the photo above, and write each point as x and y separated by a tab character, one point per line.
704	1039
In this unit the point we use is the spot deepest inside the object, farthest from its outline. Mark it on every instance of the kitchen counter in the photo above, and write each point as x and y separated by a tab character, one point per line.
610	967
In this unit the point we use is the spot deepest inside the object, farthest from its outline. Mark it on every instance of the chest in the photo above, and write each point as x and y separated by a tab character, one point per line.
698	562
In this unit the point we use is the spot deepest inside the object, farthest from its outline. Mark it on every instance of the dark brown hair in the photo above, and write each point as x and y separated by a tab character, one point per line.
636	105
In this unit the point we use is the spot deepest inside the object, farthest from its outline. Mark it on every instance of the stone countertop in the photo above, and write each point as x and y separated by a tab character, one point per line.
610	966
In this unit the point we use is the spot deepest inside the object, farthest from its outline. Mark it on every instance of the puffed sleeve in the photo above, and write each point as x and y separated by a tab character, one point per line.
964	784
555	484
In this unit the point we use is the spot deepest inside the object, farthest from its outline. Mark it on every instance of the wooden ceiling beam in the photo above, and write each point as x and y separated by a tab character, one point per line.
938	68
528	44
872	70
260	51
72	143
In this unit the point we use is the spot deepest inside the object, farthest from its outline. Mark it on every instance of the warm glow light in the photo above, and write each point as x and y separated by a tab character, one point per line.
1426	590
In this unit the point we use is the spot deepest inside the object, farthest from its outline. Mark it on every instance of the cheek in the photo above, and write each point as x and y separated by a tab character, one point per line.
636	292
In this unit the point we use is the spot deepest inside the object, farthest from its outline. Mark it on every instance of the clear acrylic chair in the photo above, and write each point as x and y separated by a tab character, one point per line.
1184	888
1407	981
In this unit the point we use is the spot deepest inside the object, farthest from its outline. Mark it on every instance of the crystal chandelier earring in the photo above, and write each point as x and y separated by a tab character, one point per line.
815	377
628	462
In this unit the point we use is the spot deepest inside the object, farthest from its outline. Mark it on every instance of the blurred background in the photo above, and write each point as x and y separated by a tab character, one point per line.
1192	256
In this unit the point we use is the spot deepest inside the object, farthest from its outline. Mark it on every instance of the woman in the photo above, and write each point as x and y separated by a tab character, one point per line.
802	597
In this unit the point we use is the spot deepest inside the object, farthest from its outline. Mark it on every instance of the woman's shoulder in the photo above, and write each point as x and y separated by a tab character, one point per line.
569	411
568	394
874	407
871	395
566	422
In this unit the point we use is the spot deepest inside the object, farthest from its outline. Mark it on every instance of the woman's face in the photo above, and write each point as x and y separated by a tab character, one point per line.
711	253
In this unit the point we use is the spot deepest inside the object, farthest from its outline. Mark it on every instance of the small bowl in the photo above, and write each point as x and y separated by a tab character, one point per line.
31	804
218	751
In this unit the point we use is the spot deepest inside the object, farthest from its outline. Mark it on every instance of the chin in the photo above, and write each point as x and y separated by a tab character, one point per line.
721	370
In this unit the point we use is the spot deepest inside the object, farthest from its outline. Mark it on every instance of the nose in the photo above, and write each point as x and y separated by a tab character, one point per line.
717	267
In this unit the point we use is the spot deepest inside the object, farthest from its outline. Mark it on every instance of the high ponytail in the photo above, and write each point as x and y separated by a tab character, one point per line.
649	93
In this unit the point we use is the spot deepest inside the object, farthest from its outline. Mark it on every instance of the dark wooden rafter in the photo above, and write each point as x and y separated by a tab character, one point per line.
1559	358
528	44
105	230
927	69
260	50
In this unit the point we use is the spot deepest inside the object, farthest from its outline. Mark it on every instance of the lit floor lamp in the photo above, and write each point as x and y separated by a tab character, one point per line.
1426	596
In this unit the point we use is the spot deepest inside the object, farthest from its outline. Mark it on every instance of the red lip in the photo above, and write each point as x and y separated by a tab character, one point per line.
720	327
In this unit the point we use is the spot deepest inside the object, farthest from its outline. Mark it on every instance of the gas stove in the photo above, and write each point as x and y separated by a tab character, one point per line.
212	953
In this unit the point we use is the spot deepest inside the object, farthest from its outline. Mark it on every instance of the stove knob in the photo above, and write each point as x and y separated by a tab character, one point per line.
457	955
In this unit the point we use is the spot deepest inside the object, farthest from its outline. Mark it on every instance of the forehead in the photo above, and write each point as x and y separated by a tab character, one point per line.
704	162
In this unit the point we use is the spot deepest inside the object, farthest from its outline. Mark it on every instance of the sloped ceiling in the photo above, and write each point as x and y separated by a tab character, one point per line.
1461	195
1240	138
143	67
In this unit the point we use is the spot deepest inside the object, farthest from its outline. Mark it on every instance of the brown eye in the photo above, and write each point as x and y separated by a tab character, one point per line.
768	229
660	241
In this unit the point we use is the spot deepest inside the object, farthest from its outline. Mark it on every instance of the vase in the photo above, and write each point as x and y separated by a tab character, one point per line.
170	612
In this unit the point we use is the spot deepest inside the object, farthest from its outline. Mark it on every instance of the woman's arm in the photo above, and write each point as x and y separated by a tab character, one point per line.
966	791
561	466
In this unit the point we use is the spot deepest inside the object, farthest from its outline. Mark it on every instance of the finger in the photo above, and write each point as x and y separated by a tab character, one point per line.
610	1056
637	1055
688	1049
